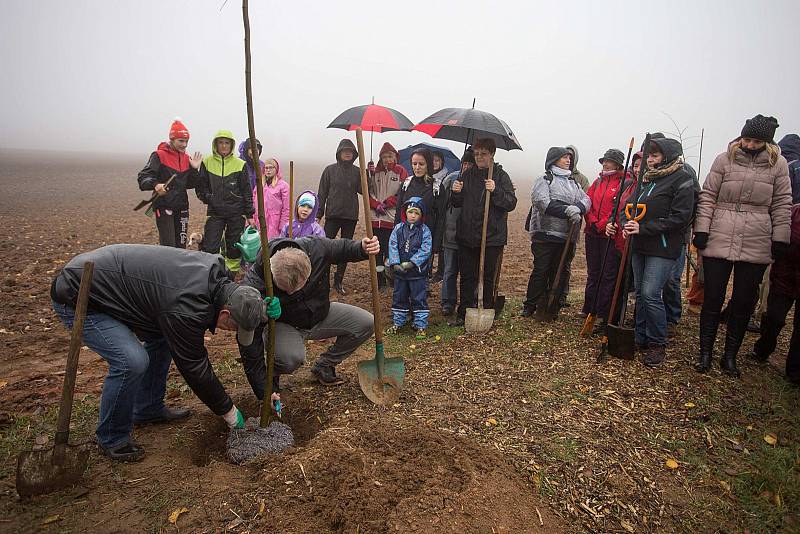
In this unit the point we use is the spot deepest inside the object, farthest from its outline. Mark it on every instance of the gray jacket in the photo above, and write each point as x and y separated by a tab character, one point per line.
550	196
451	213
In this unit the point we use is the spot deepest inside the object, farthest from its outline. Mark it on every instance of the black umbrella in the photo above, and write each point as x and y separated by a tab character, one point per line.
467	124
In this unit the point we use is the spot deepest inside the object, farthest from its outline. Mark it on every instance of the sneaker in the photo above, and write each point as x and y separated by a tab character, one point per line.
326	375
167	415
753	326
527	311
655	356
448	310
672	330
392	330
421	334
129	452
458	321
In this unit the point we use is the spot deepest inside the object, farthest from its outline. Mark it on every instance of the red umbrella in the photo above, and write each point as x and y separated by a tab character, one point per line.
372	118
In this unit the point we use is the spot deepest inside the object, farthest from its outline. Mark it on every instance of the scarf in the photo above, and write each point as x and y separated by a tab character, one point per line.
558	171
664	170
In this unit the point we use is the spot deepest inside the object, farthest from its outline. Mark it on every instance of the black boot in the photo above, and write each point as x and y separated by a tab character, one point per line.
337	284
737	326
381	283
709	323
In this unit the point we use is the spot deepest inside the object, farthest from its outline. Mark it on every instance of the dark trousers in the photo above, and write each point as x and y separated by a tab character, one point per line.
347	228
772	322
383	235
410	296
468	260
546	255
172	226
232	226
600	278
746	279
568	270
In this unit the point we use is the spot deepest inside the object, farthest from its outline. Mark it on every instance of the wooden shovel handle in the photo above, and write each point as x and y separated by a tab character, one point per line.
373	272
75	343
483	237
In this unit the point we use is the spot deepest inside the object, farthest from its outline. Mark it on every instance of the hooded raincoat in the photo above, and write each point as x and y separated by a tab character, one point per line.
224	185
308	228
276	203
339	187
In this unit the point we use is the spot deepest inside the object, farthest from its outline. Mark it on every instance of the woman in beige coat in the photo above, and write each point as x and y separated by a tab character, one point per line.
742	223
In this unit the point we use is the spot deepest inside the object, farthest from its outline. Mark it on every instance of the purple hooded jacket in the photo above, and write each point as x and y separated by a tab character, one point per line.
248	163
309	227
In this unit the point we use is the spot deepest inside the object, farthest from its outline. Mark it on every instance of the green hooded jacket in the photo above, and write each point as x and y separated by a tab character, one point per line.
224	184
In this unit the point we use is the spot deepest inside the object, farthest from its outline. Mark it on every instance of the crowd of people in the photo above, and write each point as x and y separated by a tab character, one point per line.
152	304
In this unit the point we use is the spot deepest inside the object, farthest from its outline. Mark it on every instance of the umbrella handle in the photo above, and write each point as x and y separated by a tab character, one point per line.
483	236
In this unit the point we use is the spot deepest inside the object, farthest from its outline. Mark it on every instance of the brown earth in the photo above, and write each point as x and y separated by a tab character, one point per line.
518	431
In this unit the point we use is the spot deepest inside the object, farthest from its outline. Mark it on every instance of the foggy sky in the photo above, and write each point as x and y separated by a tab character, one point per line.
111	76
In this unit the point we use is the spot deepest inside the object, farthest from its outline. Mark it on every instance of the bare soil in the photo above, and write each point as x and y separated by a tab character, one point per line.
518	431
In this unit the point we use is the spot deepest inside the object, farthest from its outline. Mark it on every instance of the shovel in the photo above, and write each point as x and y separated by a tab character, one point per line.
62	465
154	196
588	325
380	379
479	320
549	311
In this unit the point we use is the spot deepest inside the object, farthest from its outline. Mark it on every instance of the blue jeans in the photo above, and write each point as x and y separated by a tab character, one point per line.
672	290
136	382
650	274
450	278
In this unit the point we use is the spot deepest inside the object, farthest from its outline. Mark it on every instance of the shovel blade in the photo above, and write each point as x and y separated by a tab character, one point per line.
45	471
621	342
478	320
383	389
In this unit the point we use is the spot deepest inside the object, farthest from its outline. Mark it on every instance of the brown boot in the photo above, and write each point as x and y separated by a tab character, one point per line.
655	356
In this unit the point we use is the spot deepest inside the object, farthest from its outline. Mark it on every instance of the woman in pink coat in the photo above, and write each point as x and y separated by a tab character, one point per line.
276	198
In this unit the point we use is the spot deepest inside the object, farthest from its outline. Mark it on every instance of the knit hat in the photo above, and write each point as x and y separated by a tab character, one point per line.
612	154
178	130
306	199
554	153
761	128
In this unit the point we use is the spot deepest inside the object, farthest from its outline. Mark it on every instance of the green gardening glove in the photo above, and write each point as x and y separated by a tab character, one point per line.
273	307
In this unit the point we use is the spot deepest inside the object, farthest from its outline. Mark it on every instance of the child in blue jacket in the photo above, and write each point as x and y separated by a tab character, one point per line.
410	259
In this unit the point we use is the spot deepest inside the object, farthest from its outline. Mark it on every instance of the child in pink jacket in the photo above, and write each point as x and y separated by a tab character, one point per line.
276	198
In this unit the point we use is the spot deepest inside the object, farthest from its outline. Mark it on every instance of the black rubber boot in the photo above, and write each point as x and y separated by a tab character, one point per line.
709	323
737	326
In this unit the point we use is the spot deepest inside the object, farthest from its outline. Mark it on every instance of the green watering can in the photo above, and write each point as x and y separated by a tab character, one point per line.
249	244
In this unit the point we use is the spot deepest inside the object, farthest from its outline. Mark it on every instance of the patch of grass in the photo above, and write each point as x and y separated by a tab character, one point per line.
19	435
770	488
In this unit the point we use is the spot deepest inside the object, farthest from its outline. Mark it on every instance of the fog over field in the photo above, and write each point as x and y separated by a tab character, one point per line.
110	76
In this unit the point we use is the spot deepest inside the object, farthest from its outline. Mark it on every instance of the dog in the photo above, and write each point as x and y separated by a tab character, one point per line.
195	241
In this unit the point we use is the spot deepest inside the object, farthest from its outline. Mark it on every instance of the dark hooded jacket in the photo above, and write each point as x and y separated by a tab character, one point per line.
159	292
790	149
785	273
339	187
163	163
471	200
224	185
670	205
411	242
311	304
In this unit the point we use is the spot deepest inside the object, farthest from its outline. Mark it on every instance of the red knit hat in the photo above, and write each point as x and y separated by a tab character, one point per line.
178	130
